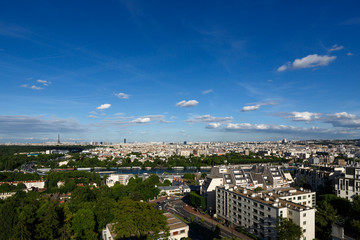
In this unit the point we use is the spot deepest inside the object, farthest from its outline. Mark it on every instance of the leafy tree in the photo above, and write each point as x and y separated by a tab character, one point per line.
66	230
166	182
22	231
189	176
104	212
20	186
288	230
49	223
83	224
139	220
5	188
325	216
197	200
8	219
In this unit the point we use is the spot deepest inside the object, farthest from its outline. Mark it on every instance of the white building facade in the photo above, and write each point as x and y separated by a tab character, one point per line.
258	213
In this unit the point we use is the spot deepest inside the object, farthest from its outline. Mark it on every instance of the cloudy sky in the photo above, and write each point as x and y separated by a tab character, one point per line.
179	70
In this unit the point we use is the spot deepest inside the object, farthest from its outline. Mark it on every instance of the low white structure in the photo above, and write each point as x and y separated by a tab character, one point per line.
39	184
173	190
121	178
177	228
6	195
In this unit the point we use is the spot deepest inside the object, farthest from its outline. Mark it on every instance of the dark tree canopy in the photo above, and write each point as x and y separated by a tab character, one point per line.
288	230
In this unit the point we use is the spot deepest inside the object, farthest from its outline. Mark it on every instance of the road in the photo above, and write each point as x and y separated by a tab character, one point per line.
201	221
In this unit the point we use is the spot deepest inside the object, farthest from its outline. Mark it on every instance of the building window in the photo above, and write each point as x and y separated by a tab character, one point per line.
182	231
304	215
175	233
304	223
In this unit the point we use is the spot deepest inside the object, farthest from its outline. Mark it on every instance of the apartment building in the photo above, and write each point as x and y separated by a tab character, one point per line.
259	212
266	177
348	185
318	179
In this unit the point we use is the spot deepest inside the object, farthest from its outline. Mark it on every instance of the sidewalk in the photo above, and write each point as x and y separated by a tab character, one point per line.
213	222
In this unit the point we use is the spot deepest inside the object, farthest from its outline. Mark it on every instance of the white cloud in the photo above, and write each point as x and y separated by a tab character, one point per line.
213	125
93	116
122	95
257	105
43	82
104	106
248	127
343	119
209	119
350	54
141	120
190	103
304	116
93	112
309	61
313	60
32	87
250	108
282	68
207	91
336	47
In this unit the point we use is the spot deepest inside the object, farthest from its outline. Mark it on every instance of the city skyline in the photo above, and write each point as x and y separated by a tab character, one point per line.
179	71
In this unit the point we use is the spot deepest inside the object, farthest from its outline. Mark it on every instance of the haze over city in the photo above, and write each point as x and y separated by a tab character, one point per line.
179	71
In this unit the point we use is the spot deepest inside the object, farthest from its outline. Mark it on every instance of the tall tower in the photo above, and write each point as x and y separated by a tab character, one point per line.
124	140
58	142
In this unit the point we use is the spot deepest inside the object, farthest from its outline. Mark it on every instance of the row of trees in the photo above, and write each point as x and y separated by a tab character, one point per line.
15	176
175	160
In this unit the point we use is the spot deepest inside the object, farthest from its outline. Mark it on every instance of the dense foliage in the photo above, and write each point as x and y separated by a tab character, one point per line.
197	200
15	176
36	215
332	209
70	179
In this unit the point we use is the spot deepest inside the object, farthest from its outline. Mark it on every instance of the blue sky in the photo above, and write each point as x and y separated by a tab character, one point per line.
179	70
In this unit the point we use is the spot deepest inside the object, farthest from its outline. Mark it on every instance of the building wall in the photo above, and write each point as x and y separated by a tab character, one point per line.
209	191
179	233
348	186
260	217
